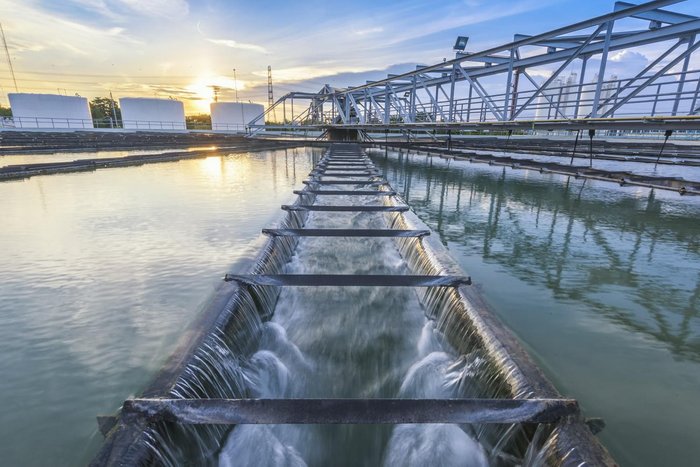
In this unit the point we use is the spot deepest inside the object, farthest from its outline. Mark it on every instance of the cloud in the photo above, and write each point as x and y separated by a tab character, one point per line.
18	46
406	30
628	56
364	32
299	73
161	8
238	45
232	43
70	47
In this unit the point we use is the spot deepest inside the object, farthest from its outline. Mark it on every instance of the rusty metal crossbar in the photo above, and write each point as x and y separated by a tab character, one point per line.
345	182
345	192
348	280
349	208
345	167
345	162
350	411
393	233
364	173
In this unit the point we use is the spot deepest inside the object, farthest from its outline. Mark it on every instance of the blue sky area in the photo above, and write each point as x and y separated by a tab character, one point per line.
179	48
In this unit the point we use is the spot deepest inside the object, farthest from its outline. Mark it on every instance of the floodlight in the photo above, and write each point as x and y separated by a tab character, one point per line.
461	43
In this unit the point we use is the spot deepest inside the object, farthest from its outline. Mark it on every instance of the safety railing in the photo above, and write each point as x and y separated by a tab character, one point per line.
60	123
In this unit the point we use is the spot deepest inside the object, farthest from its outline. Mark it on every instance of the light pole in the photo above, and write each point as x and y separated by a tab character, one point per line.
235	84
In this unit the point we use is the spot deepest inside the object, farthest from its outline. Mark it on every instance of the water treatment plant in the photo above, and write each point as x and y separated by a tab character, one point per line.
487	259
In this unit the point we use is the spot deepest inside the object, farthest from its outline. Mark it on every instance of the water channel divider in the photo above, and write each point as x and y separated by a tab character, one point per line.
345	233
348	208
345	192
348	280
344	182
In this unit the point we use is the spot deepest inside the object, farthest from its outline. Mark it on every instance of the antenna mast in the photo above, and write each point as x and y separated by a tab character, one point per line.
9	60
270	99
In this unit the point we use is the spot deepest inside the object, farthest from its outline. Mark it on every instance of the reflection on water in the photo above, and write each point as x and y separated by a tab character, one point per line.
101	271
15	159
601	282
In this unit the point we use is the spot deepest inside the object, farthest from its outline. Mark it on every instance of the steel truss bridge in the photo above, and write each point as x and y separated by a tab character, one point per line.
497	88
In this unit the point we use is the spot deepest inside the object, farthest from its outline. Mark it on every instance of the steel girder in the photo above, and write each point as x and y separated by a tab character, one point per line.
415	97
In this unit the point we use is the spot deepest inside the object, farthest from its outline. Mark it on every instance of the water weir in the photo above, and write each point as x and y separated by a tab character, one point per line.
353	338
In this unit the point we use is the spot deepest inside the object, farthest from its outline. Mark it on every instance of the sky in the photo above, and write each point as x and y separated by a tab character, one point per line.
180	48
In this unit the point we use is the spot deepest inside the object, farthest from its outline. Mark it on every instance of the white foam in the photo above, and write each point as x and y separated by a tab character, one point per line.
443	445
267	374
426	378
257	445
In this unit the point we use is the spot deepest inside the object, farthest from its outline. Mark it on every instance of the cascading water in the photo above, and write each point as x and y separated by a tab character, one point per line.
352	342
357	341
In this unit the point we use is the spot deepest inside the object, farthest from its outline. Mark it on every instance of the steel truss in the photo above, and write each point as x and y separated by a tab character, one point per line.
497	85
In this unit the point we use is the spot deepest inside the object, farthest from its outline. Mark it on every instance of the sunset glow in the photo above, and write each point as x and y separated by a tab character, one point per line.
203	91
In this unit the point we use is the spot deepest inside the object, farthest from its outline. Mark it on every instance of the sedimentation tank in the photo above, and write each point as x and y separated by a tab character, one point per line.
235	116
152	114
49	111
352	338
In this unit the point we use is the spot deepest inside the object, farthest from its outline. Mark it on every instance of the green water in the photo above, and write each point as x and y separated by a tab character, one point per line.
601	284
102	271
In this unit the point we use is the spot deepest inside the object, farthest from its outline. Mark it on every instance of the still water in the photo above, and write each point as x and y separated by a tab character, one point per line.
18	159
101	271
601	283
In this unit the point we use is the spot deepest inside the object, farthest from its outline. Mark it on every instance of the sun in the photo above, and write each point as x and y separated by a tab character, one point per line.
203	91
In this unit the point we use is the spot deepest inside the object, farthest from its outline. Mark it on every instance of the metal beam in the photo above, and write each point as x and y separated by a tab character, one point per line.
662	16
651	79
391	233
349	411
348	280
539	37
361	105
350	208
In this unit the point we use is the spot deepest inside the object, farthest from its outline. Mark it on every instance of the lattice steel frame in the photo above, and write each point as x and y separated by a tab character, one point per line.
465	90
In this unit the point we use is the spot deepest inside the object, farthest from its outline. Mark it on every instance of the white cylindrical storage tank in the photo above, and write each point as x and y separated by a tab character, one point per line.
152	114
235	116
49	111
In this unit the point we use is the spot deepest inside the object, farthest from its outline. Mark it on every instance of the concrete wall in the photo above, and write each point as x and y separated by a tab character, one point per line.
234	116
49	111
152	114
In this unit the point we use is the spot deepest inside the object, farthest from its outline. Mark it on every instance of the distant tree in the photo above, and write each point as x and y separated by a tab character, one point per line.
198	122
101	110
5	111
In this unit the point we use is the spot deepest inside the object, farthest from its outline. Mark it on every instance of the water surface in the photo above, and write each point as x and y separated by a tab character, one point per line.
601	283
100	273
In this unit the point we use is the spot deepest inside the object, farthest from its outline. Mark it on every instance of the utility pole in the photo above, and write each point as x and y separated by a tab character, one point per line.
9	60
235	84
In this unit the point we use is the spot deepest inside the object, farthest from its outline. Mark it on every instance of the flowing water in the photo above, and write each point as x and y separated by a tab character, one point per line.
601	283
102	271
348	342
